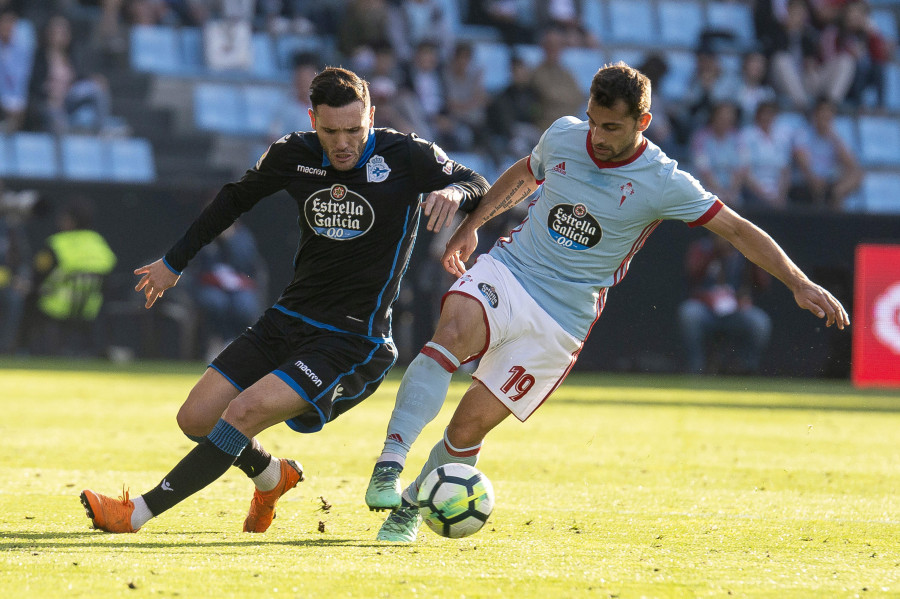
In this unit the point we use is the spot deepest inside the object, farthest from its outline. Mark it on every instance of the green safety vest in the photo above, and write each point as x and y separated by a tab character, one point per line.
74	289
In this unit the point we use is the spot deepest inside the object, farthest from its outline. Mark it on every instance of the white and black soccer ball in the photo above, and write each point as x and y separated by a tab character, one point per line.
455	500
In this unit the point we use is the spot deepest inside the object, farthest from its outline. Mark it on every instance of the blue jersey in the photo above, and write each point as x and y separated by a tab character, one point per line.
590	219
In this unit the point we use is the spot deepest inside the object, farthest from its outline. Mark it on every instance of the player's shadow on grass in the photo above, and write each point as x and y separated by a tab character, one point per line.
35	541
881	407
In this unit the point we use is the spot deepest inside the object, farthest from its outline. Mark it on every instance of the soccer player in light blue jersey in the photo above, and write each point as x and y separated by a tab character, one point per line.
526	307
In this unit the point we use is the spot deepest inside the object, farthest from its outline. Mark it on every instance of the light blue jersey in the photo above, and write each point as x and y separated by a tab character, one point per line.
590	219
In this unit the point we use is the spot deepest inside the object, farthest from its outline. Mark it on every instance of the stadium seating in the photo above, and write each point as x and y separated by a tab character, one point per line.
680	22
6	156
35	155
682	65
131	160
583	63
593	18
219	107
190	60
262	102
155	49
265	61
84	158
879	139
880	192
632	22
886	23
733	17
493	60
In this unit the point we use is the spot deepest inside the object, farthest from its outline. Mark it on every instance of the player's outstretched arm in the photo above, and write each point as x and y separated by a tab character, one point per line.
155	280
762	250
511	187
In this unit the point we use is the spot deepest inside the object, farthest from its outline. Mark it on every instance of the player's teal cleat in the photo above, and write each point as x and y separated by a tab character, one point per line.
401	526
383	492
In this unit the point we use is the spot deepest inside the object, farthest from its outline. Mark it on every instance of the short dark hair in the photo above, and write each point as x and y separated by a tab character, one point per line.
337	87
614	82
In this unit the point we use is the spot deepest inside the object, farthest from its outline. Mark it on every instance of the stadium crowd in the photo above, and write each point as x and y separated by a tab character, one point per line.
757	121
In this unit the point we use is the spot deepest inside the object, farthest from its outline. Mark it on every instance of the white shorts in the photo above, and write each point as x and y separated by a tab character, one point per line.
528	354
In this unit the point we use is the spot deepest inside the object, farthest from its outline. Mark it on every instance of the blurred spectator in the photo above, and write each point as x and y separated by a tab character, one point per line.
802	65
829	171
752	87
15	271
857	35
385	64
425	89
65	94
565	15
419	20
227	33
226	287
715	153
512	114
293	115
663	130
766	156
511	18
365	24
721	284
394	109
70	271
709	86
558	92
466	97
16	55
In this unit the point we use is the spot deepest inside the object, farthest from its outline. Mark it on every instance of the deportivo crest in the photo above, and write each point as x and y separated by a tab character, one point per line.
338	213
490	294
377	169
441	157
573	227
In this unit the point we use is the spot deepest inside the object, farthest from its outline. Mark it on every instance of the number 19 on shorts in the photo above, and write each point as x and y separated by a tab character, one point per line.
518	384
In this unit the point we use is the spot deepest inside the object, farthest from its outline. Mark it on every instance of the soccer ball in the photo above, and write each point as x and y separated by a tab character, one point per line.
455	500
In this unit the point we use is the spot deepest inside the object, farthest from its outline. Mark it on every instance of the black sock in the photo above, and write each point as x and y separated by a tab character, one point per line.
254	459
200	467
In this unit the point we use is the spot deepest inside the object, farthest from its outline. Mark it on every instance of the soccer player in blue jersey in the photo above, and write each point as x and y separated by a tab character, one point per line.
526	307
326	344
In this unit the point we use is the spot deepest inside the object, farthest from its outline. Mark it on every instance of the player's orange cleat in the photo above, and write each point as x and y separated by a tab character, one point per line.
262	508
106	513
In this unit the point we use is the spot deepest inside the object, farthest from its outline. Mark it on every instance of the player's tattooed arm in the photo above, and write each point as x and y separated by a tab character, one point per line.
511	187
519	192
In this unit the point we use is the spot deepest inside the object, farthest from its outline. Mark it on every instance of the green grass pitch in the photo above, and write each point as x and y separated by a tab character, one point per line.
620	486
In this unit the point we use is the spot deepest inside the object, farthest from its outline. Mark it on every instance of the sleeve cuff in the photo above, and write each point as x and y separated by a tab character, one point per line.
169	266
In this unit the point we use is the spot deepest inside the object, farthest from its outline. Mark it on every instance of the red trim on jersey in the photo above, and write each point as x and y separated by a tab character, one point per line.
603	164
637	245
501	241
440	358
708	215
528	165
487	326
601	303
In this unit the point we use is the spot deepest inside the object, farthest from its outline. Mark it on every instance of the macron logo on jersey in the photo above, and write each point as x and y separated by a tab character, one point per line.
560	168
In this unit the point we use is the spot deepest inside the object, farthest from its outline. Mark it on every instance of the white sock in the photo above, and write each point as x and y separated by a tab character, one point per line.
419	399
141	514
442	453
270	477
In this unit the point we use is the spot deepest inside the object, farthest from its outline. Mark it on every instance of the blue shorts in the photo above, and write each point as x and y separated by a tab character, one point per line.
332	370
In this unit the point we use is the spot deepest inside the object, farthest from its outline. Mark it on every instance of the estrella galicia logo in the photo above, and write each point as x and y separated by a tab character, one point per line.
377	169
572	226
490	294
338	213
